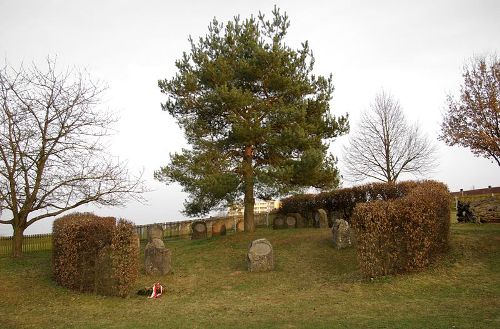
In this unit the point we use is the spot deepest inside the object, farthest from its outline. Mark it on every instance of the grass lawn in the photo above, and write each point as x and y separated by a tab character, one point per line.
313	286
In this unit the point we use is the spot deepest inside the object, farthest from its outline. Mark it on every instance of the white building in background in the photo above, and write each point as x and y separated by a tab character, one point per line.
260	207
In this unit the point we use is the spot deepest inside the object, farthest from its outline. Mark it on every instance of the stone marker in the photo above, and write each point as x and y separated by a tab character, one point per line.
260	256
291	222
299	220
222	230
279	222
218	228
240	227
155	232
341	234
157	258
199	230
315	220
322	218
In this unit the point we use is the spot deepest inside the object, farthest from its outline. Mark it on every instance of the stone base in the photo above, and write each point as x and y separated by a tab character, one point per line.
157	259
279	222
260	256
341	234
199	231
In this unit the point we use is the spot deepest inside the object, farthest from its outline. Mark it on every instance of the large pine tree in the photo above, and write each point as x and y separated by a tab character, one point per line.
257	118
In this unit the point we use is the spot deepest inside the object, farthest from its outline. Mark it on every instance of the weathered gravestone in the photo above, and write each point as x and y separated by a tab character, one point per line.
155	232
240	227
290	221
279	222
199	230
157	258
299	220
218	228
222	229
321	218
341	234
260	256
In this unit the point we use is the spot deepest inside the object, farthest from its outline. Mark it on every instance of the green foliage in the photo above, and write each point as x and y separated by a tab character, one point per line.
256	116
404	234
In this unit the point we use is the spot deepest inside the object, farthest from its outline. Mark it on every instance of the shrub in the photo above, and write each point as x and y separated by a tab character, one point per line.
464	213
344	200
404	234
77	238
124	259
91	254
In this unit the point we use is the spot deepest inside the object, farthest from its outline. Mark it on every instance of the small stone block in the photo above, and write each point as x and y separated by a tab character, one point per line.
260	256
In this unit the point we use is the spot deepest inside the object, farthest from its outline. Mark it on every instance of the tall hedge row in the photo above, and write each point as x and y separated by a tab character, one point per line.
344	200
124	257
77	239
404	234
93	254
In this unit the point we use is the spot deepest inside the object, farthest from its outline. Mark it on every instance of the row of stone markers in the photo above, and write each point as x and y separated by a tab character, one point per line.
343	236
158	259
260	256
319	219
199	228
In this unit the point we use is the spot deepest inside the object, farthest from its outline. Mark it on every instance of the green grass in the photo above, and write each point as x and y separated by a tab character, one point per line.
313	286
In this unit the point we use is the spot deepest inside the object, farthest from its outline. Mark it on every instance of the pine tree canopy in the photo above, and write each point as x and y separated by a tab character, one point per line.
257	119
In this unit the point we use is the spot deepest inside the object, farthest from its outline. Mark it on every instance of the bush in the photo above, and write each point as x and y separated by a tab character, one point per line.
464	213
77	239
91	254
404	234
118	264
343	201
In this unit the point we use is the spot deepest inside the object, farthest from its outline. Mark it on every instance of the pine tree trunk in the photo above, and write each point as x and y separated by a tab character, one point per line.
17	242
249	201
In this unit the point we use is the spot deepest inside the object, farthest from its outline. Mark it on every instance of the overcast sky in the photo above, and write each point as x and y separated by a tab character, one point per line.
413	49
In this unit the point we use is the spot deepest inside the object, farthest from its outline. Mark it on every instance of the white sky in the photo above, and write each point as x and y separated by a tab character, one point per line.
413	49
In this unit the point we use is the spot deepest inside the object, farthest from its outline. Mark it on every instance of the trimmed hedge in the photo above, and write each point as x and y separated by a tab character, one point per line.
77	239
344	200
124	258
405	234
93	254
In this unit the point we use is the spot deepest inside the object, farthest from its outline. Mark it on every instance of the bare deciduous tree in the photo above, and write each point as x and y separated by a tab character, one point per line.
473	120
386	146
52	158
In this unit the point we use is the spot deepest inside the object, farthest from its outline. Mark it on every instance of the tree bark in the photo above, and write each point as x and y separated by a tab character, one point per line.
249	201
17	242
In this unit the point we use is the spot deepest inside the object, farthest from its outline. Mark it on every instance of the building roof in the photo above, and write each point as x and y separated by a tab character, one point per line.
488	190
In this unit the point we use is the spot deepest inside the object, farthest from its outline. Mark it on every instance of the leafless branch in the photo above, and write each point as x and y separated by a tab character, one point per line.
385	146
52	156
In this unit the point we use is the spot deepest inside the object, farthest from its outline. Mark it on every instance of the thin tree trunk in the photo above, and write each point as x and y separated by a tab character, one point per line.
249	201
17	242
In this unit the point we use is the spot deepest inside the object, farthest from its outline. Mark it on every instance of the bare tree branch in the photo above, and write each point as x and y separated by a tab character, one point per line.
385	146
52	158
